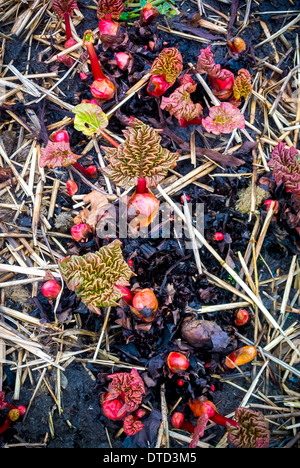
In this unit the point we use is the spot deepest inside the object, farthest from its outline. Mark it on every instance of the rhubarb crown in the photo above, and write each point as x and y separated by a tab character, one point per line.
129	386
140	156
95	276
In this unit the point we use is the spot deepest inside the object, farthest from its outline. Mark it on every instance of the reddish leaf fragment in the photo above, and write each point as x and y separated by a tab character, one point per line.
199	430
286	167
132	425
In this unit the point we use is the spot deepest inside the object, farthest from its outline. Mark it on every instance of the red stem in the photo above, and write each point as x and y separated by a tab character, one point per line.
109	139
68	25
81	169
6	424
188	426
141	186
96	69
222	421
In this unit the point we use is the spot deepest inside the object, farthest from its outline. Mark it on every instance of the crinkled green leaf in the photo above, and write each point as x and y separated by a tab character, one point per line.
89	119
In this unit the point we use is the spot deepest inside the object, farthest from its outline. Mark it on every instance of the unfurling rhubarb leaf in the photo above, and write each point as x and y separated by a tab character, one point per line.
286	167
252	431
57	154
89	119
180	104
64	6
168	63
223	119
110	9
242	84
132	425
129	386
206	64
140	156
94	277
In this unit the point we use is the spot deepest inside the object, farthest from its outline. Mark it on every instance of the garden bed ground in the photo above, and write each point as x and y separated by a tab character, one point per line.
61	388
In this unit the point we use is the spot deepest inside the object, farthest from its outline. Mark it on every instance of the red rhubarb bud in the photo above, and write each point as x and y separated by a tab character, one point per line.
180	382
219	236
157	85
177	362
51	289
113	408
123	60
272	204
237	45
92	171
177	420
127	294
200	406
140	413
83	77
241	317
241	356
61	135
144	206
148	14
72	187
81	232
103	88
145	305
222	89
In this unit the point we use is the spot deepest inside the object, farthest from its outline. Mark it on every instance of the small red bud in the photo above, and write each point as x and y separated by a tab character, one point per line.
61	135
83	76
22	410
241	356
237	45
177	420
72	187
180	382
92	171
145	299
140	413
186	197
219	236
130	263
51	289
123	60
103	88
113	408
272	204
241	318
81	232
157	86
177	362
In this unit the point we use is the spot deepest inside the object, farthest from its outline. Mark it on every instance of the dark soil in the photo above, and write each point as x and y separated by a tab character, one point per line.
82	424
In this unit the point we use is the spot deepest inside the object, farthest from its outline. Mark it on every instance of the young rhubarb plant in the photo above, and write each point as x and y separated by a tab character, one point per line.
95	277
242	86
140	161
102	88
58	153
286	167
165	70
221	80
129	386
180	105
223	119
240	356
65	9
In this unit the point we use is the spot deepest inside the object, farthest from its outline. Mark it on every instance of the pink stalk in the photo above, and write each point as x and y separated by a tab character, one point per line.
223	421
68	25
141	186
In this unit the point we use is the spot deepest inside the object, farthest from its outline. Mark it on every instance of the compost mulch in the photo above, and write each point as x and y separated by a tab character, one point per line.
61	384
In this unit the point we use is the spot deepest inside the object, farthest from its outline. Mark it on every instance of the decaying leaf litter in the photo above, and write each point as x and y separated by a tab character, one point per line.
56	357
